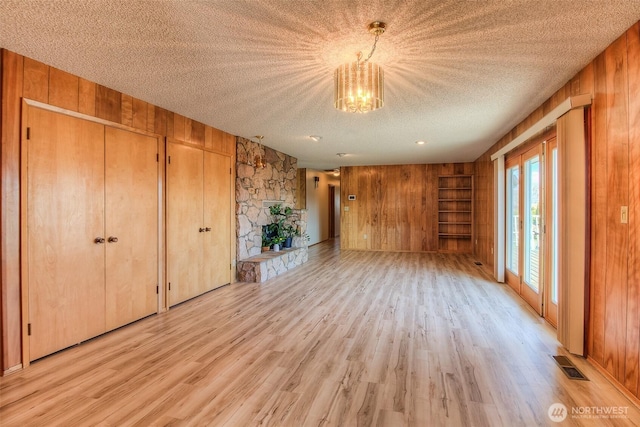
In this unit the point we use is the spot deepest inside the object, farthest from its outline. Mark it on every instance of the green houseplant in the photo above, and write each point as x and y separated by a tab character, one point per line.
278	231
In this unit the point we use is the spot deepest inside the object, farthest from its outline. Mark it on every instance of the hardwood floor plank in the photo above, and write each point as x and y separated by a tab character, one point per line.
349	338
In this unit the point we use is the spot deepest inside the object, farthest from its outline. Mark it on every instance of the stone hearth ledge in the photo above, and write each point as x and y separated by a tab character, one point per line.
267	265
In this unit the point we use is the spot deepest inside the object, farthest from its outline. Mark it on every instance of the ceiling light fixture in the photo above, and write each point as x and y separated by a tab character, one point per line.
316	138
421	142
341	154
359	86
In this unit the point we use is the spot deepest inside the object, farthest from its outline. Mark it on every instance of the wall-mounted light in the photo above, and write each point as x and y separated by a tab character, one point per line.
316	180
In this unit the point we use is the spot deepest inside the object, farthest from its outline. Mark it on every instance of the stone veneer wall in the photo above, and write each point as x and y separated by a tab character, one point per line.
276	182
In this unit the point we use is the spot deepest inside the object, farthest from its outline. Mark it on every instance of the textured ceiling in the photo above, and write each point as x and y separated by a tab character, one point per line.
459	74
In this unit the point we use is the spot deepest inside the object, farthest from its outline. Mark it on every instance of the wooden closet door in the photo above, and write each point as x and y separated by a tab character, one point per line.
184	222
131	226
217	218
64	216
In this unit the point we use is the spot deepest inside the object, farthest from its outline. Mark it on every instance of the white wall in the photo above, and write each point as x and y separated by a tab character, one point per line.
318	205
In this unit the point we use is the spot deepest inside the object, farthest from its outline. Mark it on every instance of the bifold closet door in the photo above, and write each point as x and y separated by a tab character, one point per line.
217	218
64	216
185	228
131	226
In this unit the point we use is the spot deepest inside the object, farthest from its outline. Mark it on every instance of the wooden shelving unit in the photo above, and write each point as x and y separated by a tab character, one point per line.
455	213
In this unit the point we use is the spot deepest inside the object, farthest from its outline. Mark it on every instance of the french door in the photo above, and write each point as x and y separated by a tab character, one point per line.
531	227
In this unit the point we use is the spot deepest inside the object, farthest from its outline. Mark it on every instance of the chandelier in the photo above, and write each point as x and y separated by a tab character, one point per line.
359	85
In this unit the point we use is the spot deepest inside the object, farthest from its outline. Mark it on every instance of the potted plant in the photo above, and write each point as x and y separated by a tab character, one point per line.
289	232
266	240
278	230
276	243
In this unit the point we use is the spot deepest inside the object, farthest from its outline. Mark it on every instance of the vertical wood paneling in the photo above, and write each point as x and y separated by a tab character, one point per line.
151	119
187	130
197	133
632	362
63	89
170	125
127	110
614	319
617	196
86	97
24	77
179	127
396	207
108	104
10	321
229	144
139	109
160	122
599	209
36	80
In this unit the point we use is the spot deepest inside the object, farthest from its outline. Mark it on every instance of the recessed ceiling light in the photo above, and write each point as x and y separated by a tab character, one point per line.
316	138
420	142
341	154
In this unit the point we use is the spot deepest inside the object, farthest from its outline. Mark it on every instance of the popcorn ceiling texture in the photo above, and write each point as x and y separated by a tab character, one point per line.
459	74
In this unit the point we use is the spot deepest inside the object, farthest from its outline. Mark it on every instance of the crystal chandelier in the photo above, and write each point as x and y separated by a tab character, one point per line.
359	85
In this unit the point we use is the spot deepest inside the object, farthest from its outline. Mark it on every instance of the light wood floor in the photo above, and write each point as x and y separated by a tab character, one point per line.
351	338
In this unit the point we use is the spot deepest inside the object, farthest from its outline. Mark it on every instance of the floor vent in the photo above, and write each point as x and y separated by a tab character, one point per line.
477	263
569	368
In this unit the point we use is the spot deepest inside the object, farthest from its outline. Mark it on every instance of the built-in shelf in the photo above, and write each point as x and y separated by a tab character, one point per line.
455	213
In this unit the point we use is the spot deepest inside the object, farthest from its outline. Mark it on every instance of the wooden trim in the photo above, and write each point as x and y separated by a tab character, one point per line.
10	316
548	120
24	247
53	108
200	147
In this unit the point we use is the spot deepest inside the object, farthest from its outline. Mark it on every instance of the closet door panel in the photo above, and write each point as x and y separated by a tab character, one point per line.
217	217
184	221
64	215
131	194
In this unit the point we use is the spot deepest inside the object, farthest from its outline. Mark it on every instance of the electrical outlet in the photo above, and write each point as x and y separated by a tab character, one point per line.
365	237
346	208
624	215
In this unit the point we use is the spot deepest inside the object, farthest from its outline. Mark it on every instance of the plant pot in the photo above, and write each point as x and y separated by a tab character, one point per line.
265	249
287	242
276	247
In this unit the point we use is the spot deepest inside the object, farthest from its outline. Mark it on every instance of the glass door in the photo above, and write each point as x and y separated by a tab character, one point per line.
551	235
531	234
513	223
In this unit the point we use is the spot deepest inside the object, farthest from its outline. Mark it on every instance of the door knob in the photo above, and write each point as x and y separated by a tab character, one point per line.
98	240
112	239
207	229
201	230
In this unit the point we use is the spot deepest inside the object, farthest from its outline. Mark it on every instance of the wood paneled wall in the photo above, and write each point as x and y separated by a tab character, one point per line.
613	79
24	77
396	206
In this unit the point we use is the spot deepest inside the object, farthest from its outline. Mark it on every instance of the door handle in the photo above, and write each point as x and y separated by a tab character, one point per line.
201	230
112	239
207	229
98	240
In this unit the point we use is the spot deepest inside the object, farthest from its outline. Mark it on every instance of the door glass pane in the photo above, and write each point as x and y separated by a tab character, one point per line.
512	217
531	238
554	229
